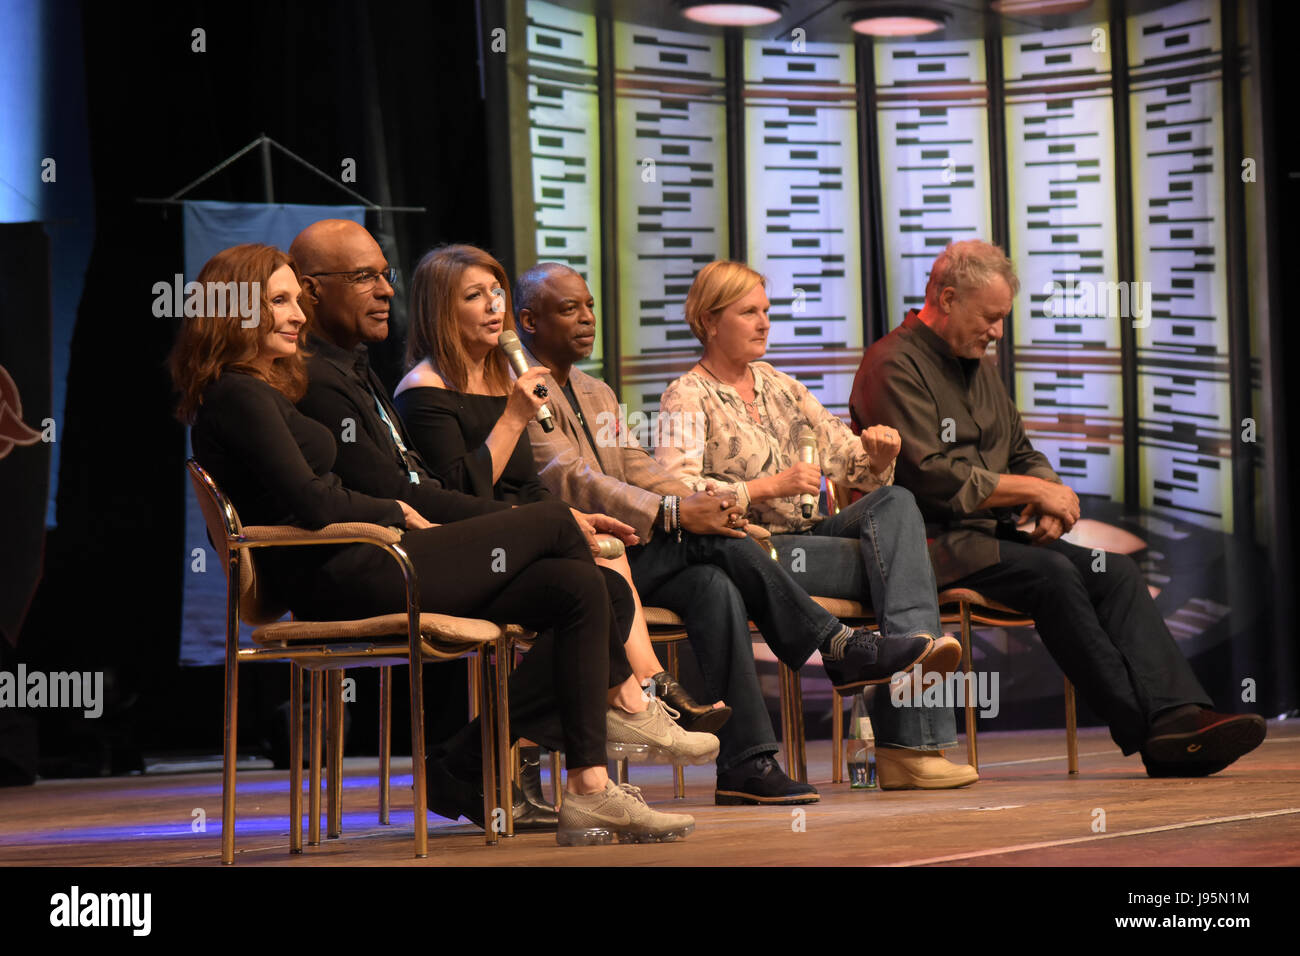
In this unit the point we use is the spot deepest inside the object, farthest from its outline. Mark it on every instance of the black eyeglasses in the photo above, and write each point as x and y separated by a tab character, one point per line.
363	279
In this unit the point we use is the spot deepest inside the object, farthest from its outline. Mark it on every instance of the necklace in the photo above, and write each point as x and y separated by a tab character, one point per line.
750	405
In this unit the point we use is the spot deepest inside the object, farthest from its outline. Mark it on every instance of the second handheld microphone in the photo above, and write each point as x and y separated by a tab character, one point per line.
807	455
508	342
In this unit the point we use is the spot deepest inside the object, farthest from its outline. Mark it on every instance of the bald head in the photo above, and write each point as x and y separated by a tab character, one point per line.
332	255
322	245
555	313
531	285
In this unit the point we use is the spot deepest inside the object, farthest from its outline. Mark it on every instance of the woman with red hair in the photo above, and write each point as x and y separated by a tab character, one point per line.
238	376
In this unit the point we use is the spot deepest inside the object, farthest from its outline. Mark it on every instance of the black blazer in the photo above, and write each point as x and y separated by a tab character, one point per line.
368	459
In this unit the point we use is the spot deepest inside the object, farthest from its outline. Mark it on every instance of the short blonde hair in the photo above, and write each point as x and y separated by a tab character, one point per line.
967	266
716	286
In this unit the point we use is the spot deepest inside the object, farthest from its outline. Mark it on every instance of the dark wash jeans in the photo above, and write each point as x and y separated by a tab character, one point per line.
874	552
717	585
1102	628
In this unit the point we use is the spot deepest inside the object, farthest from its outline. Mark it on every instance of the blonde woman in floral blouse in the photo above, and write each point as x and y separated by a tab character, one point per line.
735	422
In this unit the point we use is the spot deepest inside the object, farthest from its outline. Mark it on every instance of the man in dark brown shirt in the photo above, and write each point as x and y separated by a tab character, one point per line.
976	478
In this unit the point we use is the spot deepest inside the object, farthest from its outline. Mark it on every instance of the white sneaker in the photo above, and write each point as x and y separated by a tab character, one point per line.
594	819
654	736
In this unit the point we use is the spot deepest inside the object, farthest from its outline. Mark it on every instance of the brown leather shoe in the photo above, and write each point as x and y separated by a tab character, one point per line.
900	769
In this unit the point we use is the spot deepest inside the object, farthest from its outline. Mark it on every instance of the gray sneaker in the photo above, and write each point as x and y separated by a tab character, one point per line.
654	736
594	819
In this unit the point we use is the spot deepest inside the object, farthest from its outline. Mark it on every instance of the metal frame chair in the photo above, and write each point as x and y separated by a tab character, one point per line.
325	648
970	606
975	607
666	628
669	630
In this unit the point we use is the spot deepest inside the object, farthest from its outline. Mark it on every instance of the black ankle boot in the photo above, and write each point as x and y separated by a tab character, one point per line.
537	811
696	718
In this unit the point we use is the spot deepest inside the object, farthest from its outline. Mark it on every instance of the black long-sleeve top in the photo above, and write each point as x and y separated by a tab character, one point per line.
450	431
274	464
342	393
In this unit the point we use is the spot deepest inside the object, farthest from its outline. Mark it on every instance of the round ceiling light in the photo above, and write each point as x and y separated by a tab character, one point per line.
753	14
896	20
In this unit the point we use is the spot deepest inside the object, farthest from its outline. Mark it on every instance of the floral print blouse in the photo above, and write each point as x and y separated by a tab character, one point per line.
705	434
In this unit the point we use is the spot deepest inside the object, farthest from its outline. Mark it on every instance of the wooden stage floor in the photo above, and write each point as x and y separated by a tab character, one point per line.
1025	811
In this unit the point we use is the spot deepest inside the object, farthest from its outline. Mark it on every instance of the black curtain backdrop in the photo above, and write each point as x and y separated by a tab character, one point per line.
396	87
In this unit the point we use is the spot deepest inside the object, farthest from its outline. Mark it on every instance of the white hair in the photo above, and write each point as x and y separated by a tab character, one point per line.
967	266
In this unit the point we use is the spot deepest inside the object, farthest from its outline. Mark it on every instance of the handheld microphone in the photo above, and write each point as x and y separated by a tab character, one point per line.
610	548
508	342
807	455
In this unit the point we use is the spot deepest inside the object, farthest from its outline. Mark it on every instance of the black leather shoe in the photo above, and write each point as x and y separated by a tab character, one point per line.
532	816
696	718
871	658
760	780
1197	743
453	798
537	810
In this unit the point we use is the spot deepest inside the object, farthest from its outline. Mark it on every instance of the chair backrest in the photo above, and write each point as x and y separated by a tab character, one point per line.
223	524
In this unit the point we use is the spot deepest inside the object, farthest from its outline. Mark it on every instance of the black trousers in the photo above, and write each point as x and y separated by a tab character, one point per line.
1097	619
528	566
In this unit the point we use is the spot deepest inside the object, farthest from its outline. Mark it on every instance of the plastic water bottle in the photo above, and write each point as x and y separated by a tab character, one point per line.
860	748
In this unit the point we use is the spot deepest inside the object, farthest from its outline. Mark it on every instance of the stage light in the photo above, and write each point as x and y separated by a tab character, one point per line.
1038	7
897	20
752	14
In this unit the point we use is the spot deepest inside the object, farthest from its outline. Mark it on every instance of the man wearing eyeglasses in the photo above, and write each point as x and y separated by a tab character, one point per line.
347	287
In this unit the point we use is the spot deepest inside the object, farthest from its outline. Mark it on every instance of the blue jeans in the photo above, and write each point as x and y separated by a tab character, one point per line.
717	585
874	551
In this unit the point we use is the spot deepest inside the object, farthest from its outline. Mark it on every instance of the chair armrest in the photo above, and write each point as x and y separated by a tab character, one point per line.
763	538
346	532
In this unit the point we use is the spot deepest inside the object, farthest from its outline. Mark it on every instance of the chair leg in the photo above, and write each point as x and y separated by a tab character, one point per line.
620	775
557	788
1071	729
231	744
385	741
972	746
507	755
472	676
295	758
334	765
796	710
787	724
487	724
313	807
837	736
792	724
419	785
679	773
